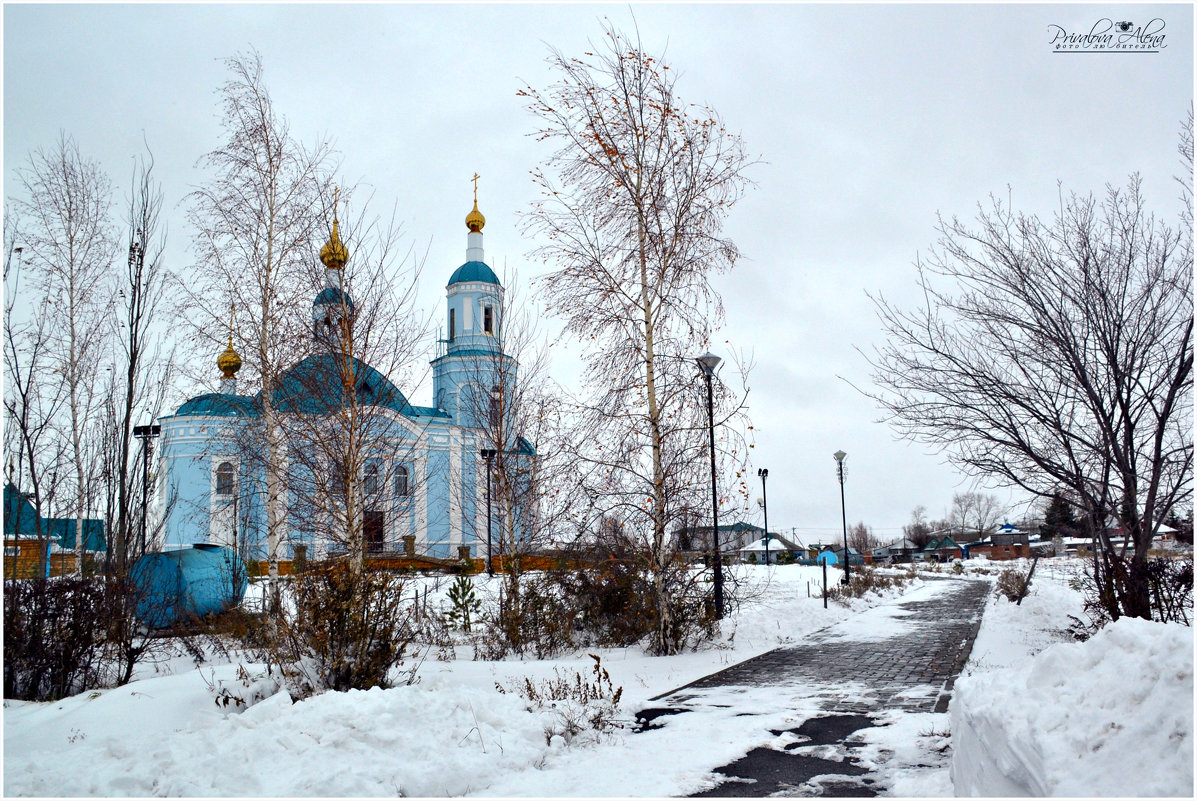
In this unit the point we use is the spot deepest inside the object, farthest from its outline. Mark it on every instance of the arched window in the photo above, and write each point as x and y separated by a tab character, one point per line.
488	319
402	483
371	482
224	479
452	324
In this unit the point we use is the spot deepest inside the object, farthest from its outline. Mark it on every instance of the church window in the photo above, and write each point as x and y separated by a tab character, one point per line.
488	319
452	324
371	483
402	481
337	481
224	479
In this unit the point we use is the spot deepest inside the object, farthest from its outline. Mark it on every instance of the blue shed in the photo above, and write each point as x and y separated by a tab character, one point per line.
828	557
189	582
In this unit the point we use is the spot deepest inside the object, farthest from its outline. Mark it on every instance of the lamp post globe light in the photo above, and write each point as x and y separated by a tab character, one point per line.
488	454
839	469
764	474
707	362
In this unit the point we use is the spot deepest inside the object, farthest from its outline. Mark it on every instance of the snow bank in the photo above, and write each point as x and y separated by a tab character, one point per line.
1112	716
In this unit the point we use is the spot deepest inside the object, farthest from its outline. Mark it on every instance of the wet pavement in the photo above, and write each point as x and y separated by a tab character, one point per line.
853	676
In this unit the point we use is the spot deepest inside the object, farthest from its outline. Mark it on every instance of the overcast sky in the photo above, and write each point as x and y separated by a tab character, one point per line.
868	120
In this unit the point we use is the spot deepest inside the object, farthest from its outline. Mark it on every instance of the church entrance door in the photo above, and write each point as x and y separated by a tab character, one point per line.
372	530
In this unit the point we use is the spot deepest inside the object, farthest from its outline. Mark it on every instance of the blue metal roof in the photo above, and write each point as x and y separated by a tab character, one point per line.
217	404
331	296
316	386
474	271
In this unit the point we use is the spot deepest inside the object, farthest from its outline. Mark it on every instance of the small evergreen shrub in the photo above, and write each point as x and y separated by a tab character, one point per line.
464	606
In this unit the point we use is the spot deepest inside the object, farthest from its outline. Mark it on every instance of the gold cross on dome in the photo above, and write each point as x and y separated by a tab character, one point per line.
476	188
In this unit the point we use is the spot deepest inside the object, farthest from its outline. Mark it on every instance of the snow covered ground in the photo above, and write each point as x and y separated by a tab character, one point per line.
453	733
1039	714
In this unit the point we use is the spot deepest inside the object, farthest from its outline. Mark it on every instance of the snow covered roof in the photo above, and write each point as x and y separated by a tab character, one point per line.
776	543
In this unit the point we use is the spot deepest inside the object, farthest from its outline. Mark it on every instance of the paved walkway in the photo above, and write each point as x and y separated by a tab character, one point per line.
854	673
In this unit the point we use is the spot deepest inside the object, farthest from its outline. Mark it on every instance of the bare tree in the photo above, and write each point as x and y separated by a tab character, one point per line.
140	370
33	399
861	538
257	216
632	221
342	411
532	482
70	242
1060	354
978	511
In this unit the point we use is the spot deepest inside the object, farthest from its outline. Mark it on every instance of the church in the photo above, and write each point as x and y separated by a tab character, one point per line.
422	471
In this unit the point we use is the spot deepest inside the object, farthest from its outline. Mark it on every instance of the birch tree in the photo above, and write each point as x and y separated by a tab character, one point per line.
633	201
343	400
258	219
70	244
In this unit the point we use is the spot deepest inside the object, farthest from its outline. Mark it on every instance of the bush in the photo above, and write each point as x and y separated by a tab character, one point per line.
346	630
532	619
614	601
578	704
1013	585
53	637
68	634
1171	583
1171	592
247	690
611	601
864	581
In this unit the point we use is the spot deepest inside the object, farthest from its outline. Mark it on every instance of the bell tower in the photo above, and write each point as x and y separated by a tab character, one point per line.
472	373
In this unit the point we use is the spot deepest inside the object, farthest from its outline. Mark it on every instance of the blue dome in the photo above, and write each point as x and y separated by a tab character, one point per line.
474	271
316	385
216	404
332	296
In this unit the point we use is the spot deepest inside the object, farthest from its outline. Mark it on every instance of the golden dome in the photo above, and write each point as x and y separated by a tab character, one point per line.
334	254
475	220
229	362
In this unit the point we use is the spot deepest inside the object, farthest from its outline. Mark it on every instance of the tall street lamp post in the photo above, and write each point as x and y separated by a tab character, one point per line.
839	469
488	454
764	474
707	363
146	434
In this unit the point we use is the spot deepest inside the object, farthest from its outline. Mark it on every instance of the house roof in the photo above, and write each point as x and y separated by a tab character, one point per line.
776	543
900	544
20	523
